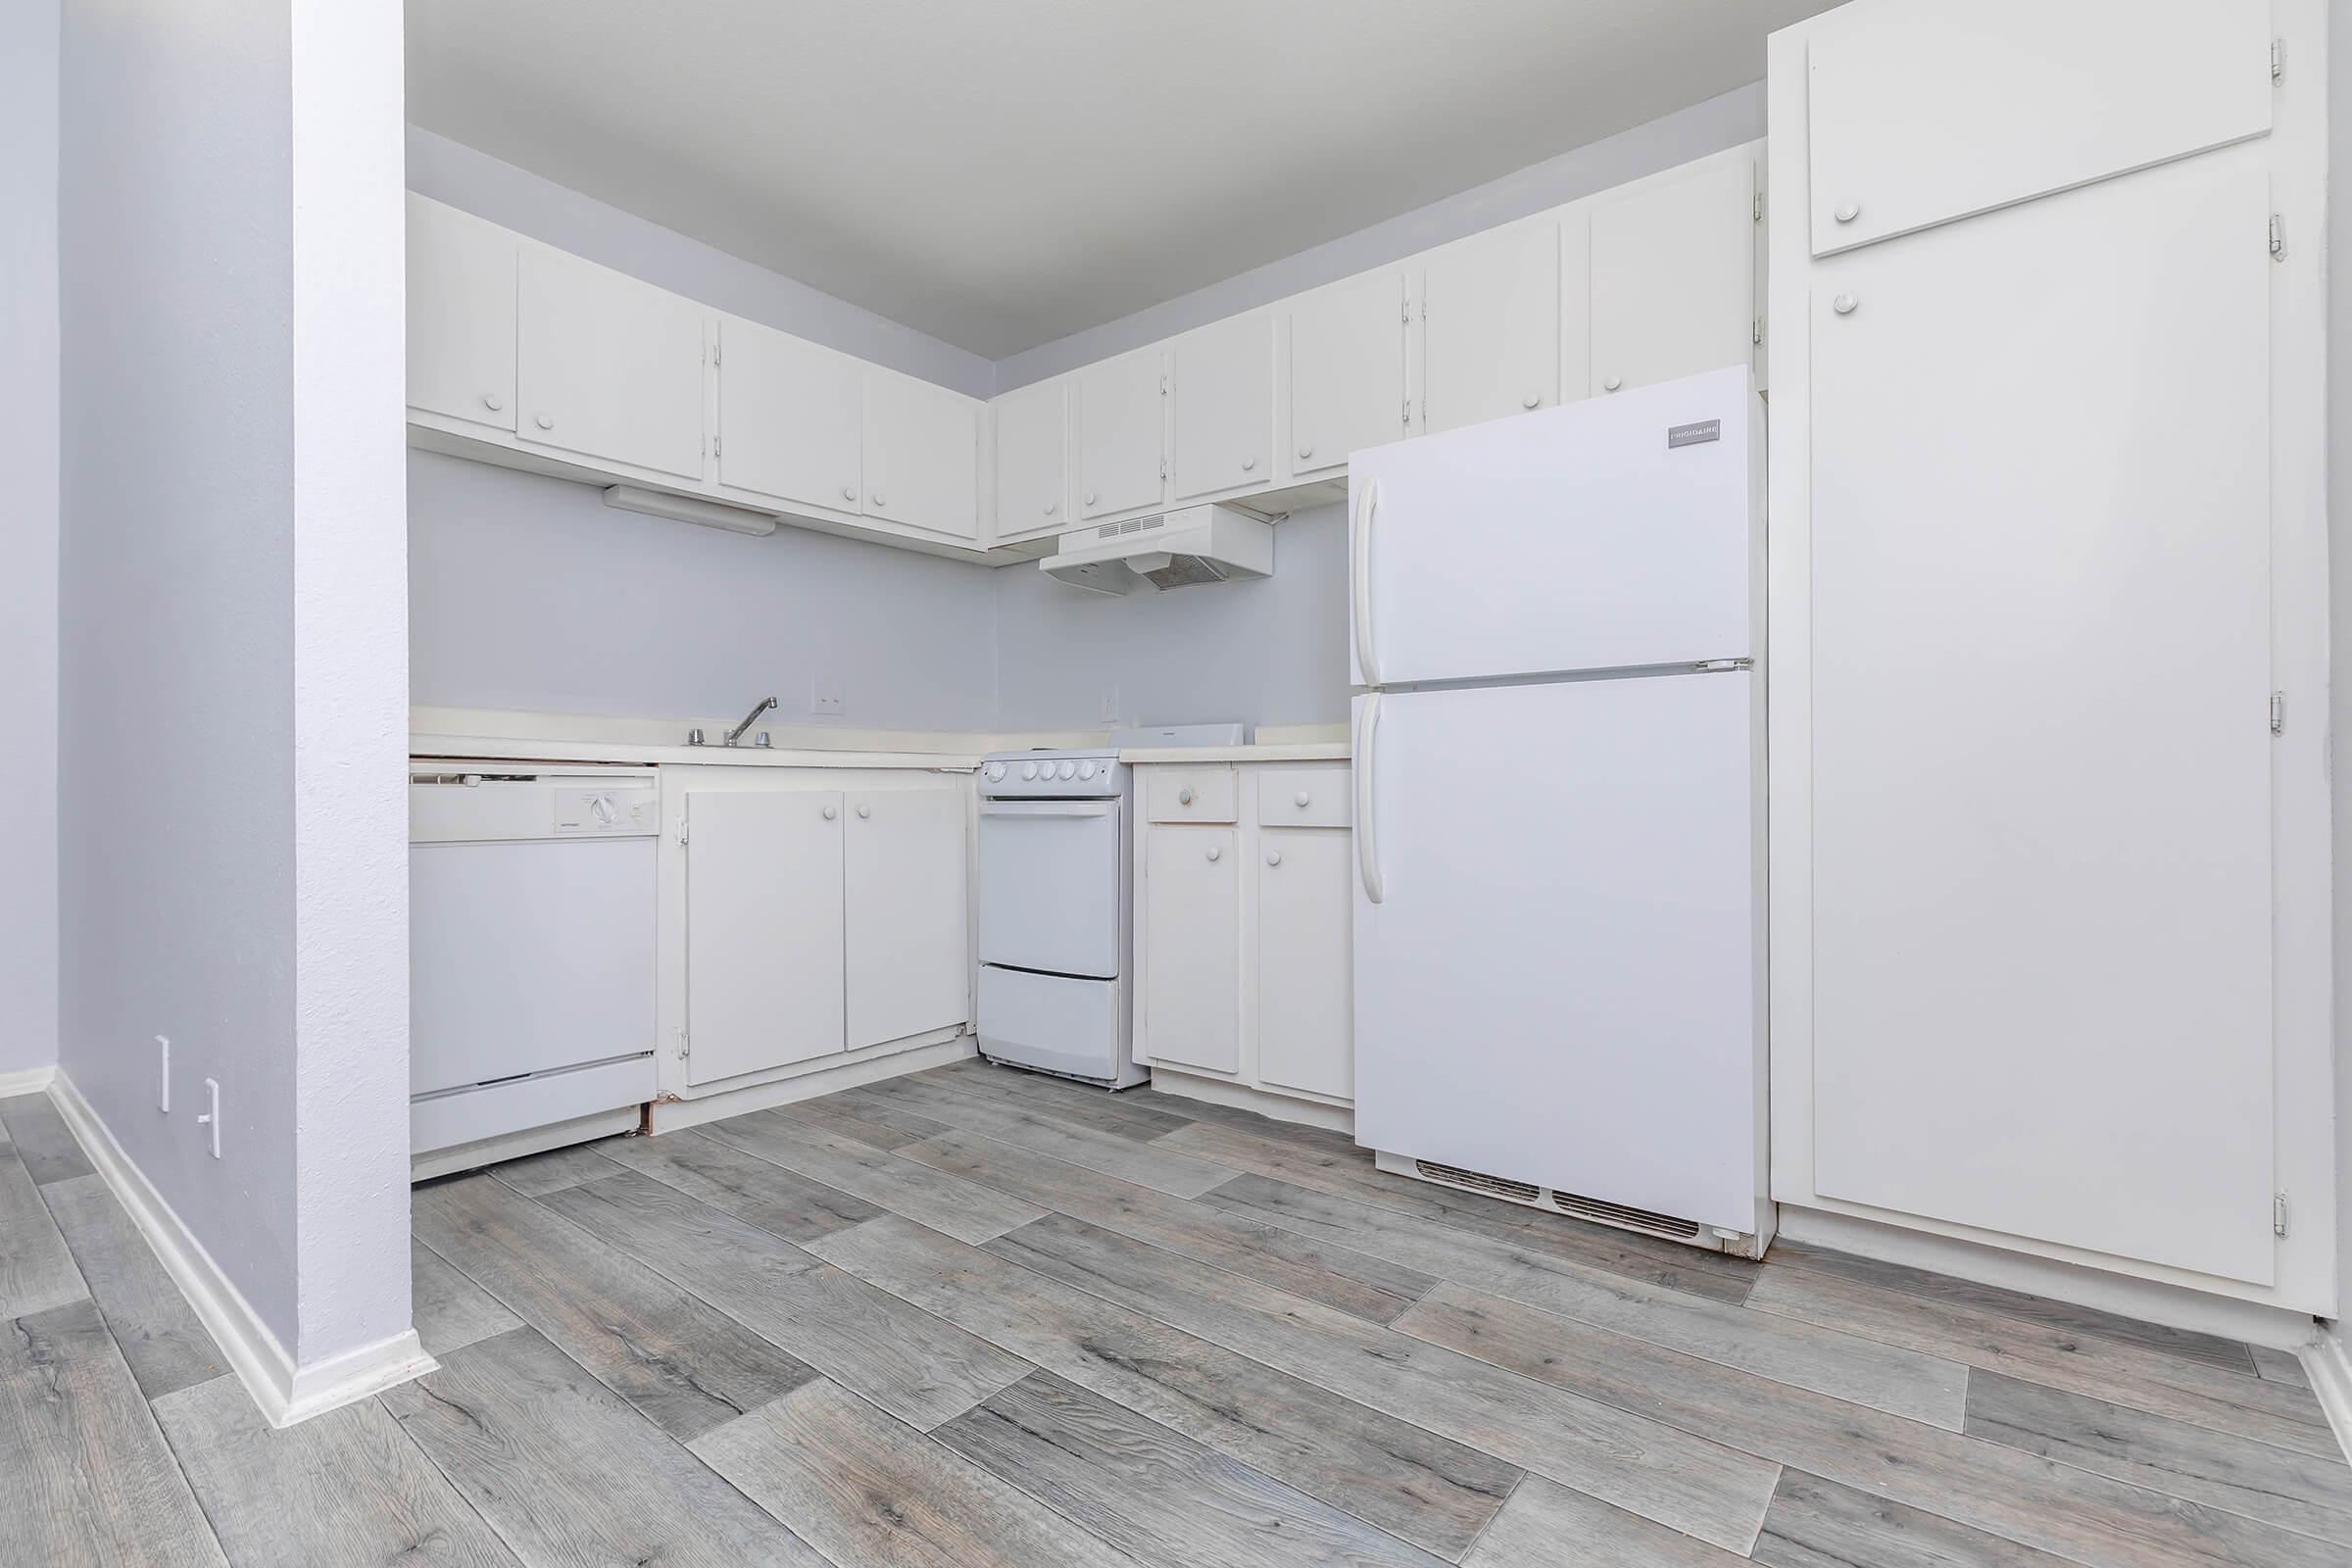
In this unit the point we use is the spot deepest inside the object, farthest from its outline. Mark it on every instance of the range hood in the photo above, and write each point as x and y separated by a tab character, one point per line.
1189	545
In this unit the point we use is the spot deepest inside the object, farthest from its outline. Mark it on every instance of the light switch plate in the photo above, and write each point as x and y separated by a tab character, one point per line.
824	697
1110	707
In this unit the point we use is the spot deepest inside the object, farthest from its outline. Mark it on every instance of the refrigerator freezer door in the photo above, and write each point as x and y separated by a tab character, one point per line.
1614	532
1561	982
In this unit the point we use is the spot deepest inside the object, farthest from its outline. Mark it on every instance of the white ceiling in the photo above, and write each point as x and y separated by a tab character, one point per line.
1002	173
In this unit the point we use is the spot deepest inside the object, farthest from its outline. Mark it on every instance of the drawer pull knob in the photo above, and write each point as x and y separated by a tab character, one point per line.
1844	304
828	814
1184	797
1215	852
1273	857
1300	800
865	811
1847	211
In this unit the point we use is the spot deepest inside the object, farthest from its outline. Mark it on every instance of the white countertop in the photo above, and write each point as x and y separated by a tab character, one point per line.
1291	751
506	750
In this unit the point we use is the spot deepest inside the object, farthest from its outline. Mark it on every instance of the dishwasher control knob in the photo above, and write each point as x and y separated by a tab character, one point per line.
604	811
1028	770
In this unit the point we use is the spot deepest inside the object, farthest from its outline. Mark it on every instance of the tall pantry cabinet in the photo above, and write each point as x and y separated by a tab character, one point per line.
2049	902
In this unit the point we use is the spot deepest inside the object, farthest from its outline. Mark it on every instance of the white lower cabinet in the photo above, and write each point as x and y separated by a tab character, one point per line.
1192	970
1306	902
1245	894
808	914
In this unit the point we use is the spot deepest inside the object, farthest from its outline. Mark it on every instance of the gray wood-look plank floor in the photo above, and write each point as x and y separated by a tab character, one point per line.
978	1319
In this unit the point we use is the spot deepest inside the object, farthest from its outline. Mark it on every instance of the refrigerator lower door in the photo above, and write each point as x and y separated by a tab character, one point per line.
1561	980
1607	535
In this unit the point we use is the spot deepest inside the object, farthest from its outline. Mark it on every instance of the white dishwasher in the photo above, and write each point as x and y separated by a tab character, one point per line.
531	949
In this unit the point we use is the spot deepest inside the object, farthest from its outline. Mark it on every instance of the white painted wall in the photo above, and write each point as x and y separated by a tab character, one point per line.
531	593
28	391
2339	568
1269	651
232	841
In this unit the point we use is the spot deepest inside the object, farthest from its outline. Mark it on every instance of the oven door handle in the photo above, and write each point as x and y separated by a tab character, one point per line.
1044	807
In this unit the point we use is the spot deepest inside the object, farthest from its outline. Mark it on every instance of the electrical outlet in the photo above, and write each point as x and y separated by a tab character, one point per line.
824	697
212	1119
162	1073
1110	705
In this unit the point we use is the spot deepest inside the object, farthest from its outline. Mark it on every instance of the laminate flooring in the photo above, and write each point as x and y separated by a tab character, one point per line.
977	1319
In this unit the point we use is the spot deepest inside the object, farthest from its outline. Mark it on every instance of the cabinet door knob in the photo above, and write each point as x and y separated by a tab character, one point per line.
1273	857
848	492
1299	799
1215	853
828	814
865	811
1184	797
881	500
1531	400
1307	449
1049	508
1846	212
1247	464
1612	384
493	402
1090	498
1844	304
547	422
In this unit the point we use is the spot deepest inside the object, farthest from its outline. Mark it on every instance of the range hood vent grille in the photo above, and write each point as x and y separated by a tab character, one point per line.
1209	543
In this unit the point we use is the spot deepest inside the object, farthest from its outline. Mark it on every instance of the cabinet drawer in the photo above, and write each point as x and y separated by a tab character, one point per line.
1303	796
1190	794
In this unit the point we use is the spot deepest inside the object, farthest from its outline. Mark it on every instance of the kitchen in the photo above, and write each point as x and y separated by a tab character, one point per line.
1642	791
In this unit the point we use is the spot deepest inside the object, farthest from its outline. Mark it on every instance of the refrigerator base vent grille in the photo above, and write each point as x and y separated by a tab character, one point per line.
1571	1204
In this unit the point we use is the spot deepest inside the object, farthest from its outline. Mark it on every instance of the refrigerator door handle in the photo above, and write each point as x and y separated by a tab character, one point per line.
1367	846
1359	586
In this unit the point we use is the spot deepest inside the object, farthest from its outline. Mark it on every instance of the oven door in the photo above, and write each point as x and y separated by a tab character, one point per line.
1050	886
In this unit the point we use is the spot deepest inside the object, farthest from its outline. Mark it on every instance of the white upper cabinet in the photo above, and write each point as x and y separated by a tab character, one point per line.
1033	460
1222	379
460	314
1118	418
1673	277
609	366
1491	326
1934	109
791	417
922	454
1346	371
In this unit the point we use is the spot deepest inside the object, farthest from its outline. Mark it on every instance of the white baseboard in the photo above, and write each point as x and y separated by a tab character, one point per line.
2327	1363
2150	1301
27	1081
669	1115
284	1391
1249	1097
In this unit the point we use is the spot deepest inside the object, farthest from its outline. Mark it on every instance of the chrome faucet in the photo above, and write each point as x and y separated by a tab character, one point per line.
735	735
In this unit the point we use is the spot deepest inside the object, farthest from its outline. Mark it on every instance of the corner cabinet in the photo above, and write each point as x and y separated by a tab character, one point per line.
1245	894
811	918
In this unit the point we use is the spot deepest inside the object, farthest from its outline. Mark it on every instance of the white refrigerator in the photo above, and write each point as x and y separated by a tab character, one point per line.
1557	628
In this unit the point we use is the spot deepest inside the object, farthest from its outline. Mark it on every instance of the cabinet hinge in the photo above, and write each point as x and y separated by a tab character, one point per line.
1755	329
714	440
1408	414
1163	467
2278	59
715	349
2278	712
1163	383
2278	1214
1755	206
685	1044
2278	238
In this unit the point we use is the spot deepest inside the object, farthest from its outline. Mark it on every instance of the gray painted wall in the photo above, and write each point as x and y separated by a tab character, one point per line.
526	592
1268	651
555	215
176	740
1704	127
28	532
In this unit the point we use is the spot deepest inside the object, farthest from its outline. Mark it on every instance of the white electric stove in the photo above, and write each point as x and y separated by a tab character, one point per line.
1056	900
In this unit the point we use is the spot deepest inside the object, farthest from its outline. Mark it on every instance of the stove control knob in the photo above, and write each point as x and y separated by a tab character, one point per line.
994	771
1069	771
1028	770
1085	771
